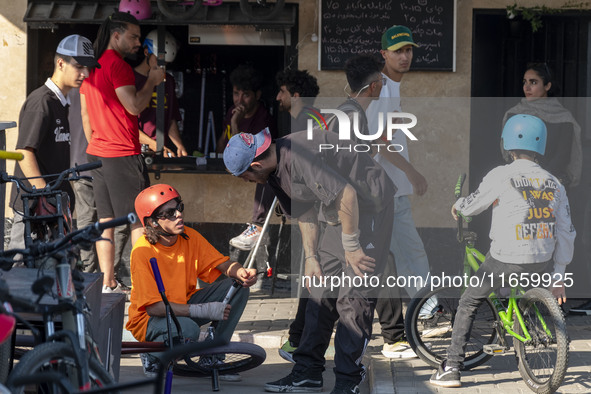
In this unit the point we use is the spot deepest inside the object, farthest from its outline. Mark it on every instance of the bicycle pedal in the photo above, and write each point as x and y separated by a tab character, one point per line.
494	349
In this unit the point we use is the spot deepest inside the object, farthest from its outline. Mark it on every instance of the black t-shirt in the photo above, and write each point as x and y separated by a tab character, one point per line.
305	174
44	127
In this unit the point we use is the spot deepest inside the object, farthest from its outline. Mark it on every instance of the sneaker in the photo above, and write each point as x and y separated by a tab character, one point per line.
123	286
446	377
400	349
583	309
345	387
117	289
150	365
286	351
247	239
209	362
296	383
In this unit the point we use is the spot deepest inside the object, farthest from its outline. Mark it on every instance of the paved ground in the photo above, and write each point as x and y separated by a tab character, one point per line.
265	322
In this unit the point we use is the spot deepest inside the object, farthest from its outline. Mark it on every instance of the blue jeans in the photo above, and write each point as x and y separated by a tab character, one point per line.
473	297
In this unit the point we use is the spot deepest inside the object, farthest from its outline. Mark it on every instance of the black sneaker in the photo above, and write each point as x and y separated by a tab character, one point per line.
583	309
443	378
345	387
296	383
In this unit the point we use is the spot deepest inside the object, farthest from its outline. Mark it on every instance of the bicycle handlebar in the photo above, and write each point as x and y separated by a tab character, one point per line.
4	155
157	276
459	185
90	233
52	185
461	218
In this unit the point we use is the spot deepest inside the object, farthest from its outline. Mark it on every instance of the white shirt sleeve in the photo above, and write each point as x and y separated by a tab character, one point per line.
565	235
483	197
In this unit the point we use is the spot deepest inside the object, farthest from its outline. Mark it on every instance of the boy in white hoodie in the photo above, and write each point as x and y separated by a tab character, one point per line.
531	229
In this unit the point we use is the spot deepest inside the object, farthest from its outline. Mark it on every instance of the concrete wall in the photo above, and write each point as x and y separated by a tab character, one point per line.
224	199
13	76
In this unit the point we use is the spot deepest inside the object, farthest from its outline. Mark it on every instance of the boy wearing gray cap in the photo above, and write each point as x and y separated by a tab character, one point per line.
44	131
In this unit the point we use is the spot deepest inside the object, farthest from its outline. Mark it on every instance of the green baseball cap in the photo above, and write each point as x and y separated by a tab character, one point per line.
396	37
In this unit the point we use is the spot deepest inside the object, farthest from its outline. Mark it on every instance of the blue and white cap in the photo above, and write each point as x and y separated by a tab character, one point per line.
243	148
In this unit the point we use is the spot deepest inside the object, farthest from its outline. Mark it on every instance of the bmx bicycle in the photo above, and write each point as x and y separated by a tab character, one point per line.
532	318
64	360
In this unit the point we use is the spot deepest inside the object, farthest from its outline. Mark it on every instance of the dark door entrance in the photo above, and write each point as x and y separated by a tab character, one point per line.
501	49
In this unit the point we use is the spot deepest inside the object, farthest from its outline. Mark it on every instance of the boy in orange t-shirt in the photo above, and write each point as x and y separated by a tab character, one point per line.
183	256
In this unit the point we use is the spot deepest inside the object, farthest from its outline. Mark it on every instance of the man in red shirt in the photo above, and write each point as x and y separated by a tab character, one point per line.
110	105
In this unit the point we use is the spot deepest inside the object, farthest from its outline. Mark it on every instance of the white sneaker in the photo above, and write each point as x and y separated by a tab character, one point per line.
247	239
150	367
119	289
400	349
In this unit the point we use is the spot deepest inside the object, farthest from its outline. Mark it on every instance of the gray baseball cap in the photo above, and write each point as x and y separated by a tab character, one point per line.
80	48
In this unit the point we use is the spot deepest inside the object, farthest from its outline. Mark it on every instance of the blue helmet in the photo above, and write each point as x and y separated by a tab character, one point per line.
524	132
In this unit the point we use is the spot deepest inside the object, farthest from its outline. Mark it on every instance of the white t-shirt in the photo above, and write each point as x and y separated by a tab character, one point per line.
531	220
390	102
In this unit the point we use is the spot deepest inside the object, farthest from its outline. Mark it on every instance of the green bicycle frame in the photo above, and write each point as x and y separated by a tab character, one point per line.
472	260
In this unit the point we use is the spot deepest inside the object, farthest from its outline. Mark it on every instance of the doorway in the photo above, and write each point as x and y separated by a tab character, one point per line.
501	49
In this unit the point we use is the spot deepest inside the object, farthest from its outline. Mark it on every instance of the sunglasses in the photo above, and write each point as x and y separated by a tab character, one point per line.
170	213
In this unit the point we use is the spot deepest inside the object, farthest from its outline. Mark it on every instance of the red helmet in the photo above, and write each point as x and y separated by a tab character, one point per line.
151	198
141	9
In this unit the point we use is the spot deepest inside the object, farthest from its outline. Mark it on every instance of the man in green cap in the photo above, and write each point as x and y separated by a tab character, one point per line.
406	244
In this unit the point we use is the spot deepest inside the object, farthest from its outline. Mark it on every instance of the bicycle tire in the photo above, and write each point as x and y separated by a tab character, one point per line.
54	357
543	361
237	357
167	8
4	359
261	12
430	337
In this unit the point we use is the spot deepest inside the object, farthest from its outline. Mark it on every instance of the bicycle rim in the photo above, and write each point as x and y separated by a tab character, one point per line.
429	320
232	358
178	10
543	360
261	9
53	360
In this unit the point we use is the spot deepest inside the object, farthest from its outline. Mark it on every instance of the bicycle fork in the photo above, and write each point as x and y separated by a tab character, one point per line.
73	325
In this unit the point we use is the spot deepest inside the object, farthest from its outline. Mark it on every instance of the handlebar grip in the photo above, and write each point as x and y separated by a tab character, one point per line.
157	277
459	185
130	218
235	286
4	155
88	166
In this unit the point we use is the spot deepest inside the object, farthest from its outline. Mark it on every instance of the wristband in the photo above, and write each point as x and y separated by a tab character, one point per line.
351	241
210	310
310	257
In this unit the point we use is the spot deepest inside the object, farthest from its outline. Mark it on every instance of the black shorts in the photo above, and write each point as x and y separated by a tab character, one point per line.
117	183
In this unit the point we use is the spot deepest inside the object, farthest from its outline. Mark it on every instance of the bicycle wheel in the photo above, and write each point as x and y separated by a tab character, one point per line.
261	9
179	9
231	358
54	360
543	360
429	320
